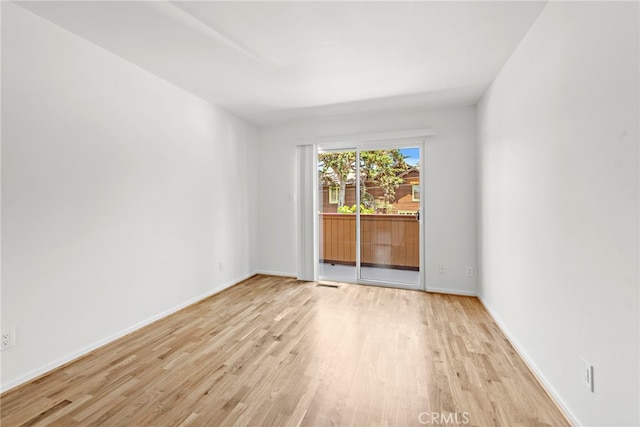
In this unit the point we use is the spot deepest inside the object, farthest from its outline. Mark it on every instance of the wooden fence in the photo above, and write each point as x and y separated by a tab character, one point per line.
387	240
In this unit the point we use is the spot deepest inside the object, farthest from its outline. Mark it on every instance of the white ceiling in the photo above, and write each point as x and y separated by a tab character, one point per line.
271	61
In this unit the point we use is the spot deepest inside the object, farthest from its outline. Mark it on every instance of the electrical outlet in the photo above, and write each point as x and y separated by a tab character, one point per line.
221	266
8	338
587	375
441	269
470	271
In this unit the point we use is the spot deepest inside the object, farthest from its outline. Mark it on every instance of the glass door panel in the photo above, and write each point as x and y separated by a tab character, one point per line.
389	184
337	218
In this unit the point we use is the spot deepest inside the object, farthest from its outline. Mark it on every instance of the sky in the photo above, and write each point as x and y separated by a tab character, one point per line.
412	154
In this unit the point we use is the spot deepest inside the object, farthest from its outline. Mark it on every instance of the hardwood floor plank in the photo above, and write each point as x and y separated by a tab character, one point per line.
275	351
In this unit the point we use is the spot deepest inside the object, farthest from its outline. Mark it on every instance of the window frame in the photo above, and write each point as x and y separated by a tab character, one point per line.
336	195
415	191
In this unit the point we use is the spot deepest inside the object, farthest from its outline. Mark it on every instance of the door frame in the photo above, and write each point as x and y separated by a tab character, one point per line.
378	144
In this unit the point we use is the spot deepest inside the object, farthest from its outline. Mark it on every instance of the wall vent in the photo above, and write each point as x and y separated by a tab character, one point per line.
329	285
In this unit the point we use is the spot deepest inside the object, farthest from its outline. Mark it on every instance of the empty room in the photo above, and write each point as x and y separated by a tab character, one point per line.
314	213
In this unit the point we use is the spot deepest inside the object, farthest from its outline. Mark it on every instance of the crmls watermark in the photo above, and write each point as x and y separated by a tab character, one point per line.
443	418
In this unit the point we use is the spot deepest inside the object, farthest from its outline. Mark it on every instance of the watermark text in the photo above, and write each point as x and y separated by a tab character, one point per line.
436	418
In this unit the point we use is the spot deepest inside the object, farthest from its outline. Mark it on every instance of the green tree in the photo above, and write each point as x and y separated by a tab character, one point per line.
337	170
377	168
381	168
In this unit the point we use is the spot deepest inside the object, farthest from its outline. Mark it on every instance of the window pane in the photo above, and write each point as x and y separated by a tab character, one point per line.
415	193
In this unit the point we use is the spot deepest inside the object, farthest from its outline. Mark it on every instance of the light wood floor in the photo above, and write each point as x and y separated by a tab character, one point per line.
278	352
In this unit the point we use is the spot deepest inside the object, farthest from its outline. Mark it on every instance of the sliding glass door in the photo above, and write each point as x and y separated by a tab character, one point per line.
370	225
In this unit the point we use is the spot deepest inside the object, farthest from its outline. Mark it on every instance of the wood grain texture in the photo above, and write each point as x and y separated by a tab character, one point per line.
278	352
387	240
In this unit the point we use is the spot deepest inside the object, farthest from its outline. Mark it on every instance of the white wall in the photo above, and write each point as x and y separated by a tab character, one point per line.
120	195
449	179
558	161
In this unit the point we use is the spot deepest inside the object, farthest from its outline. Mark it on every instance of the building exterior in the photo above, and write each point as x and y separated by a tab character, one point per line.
406	200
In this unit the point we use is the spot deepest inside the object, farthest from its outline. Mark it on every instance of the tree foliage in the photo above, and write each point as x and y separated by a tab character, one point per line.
337	170
378	168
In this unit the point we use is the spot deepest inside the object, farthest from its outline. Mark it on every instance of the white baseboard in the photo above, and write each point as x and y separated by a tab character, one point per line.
532	367
452	292
275	273
85	350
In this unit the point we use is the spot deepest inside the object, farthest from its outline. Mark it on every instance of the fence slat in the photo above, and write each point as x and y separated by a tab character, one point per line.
387	240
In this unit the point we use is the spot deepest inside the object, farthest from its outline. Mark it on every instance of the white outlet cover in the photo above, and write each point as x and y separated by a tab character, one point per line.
10	335
587	375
